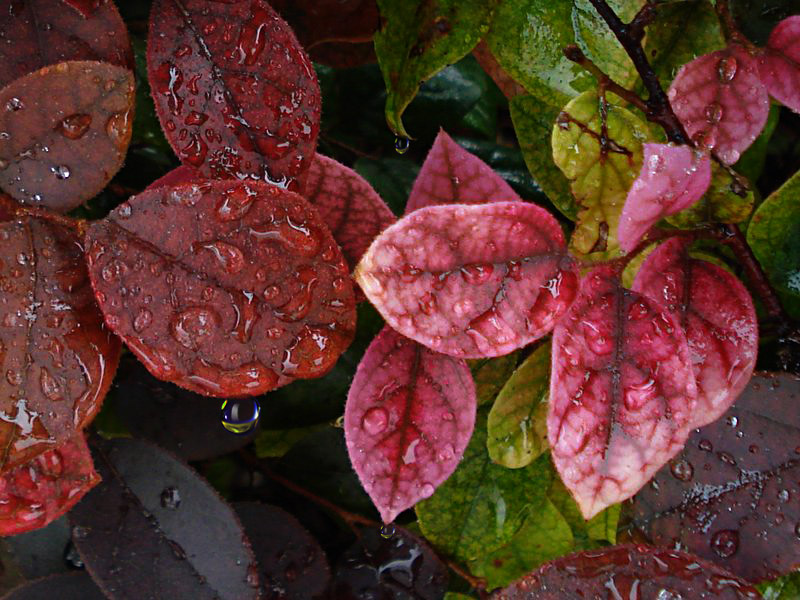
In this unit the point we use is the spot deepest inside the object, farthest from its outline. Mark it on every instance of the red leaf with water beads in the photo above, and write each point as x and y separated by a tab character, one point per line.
721	101
471	281
732	495
672	178
622	392
236	95
41	490
85	7
631	571
408	418
177	176
451	175
779	66
718	317
225	288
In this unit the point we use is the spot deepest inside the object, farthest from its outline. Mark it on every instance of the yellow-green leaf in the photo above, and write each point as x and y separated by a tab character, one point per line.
587	534
724	202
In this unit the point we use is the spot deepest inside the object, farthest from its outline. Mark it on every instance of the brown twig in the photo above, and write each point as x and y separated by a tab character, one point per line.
576	55
729	28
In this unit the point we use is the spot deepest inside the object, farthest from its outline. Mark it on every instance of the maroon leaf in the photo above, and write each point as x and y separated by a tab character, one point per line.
779	66
451	175
56	359
719	319
178	176
408	418
721	101
672	178
85	7
732	495
621	392
37	33
234	91
66	129
629	572
227	289
471	281
65	586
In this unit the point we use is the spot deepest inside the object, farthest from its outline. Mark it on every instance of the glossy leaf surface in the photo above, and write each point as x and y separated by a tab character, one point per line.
471	281
622	392
66	586
724	202
240	289
409	415
779	67
235	93
67	129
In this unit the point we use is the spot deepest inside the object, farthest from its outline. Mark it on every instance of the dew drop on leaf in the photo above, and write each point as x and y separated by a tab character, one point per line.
725	543
170	497
387	530
401	145
240	416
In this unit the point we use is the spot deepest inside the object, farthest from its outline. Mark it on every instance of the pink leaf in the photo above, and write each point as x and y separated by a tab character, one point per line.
348	205
471	281
672	178
779	66
451	175
721	101
621	392
718	317
408	418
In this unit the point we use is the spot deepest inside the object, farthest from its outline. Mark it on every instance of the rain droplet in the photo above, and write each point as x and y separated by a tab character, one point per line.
142	321
726	69
713	113
705	445
61	171
388	530
193	326
71	556
170	498
79	532
401	144
725	543
240	416
476	274
427	490
375	420
682	469
14	104
229	256
784	495
74	126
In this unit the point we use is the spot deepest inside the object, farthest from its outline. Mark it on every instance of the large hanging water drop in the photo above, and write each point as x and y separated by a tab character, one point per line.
240	416
401	144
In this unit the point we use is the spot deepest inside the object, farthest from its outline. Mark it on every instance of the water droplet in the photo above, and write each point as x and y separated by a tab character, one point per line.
49	386
726	69
170	498
427	303
253	36
732	421
401	144
476	274
229	256
61	171
713	113
240	416
235	203
409	273
74	126
80	533
705	445
142	320
193	326
427	489
375	420
681	469
14	104
13	377
797	530
784	495
387	531
118	129
725	543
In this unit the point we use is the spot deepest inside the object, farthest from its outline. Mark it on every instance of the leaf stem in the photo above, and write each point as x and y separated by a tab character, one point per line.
576	55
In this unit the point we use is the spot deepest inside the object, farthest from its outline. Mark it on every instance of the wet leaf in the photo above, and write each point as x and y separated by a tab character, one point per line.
589	534
724	202
598	146
517	421
65	586
56	359
629	571
622	392
732	495
409	416
717	314
721	101
503	80
264	120
779	67
137	531
470	281
672	178
254	290
420	38
490	375
67	129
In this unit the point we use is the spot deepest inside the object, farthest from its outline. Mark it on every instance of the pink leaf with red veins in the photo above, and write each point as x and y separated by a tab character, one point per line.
718	317
471	281
409	416
451	175
721	101
672	178
779	66
622	392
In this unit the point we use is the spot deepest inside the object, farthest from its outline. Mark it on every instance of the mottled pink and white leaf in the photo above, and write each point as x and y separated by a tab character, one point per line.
451	175
672	178
471	281
779	66
408	418
622	392
719	319
721	101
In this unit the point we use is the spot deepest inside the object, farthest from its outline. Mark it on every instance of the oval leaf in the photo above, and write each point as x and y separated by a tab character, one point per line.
471	281
622	392
68	128
235	93
66	586
408	417
719	319
779	66
251	290
721	101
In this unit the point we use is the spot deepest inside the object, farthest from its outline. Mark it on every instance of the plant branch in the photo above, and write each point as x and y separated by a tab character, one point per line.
729	29
576	55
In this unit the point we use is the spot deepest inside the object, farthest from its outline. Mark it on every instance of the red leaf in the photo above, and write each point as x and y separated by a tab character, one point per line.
721	101
408	418
471	281
234	91
621	392
178	176
779	66
85	7
672	178
56	359
224	288
732	495
38	492
719	319
451	175
629	572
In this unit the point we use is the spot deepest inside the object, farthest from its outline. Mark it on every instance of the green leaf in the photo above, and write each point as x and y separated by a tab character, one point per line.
783	588
457	596
491	374
517	421
418	39
720	204
272	443
587	534
600	176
